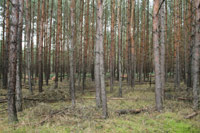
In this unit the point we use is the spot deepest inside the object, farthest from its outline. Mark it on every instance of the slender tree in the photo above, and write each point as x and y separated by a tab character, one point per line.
28	26
40	54
112	47
58	40
86	41
19	58
12	112
3	39
38	38
6	49
72	85
162	46
133	64
158	86
100	53
50	37
119	47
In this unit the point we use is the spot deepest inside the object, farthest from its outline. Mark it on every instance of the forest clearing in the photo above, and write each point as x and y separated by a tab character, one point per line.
99	66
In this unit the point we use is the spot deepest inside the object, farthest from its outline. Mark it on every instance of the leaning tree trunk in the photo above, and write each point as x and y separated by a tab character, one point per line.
158	86
12	112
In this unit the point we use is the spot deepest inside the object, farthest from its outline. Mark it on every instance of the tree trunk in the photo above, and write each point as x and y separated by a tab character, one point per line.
93	41
41	47
158	89
19	58
37	40
72	85
177	44
195	59
50	36
58	40
3	39
162	47
112	47
119	48
99	42
28	24
12	112
86	45
133	64
32	41
6	56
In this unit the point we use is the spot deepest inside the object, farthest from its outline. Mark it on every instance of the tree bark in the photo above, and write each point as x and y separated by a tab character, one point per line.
28	25
6	56
72	85
41	47
162	47
158	89
119	48
133	64
196	56
3	39
112	47
86	45
58	40
50	36
19	58
12	112
99	42
37	39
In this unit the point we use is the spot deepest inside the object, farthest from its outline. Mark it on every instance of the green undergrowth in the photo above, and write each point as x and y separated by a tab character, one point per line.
60	117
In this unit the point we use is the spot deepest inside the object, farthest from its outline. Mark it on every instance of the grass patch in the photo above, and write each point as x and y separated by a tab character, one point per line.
87	118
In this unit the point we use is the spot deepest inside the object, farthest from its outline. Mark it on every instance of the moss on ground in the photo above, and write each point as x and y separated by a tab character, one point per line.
86	118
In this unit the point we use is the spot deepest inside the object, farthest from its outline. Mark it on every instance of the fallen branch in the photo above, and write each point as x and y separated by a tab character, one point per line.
112	98
130	111
190	116
51	115
35	99
185	99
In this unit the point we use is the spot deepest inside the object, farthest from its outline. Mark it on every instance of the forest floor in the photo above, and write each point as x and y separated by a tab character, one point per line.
51	111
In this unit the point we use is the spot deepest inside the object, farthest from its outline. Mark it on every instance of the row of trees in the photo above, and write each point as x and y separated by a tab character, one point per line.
93	38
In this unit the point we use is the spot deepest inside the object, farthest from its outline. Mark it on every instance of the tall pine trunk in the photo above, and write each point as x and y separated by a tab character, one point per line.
28	26
195	59
12	112
19	58
158	89
99	41
58	40
40	55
